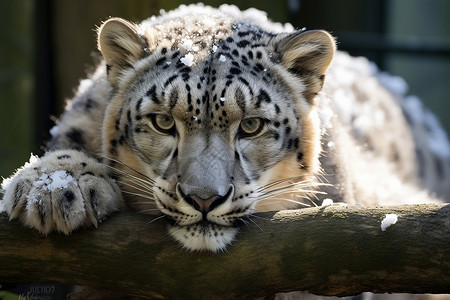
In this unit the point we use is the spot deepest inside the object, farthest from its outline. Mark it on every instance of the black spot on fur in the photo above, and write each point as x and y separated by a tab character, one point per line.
243	44
69	196
299	156
76	137
277	109
176	54
65	156
129	116
169	81
288	130
90	104
160	61
138	104
152	94
235	71
87	173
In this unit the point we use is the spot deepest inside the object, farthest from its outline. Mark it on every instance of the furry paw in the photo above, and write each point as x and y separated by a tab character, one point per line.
61	191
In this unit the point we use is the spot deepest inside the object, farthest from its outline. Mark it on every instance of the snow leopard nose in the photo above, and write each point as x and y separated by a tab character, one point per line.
206	205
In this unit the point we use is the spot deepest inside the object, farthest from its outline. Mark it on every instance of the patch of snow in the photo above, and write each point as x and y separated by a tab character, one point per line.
187	60
168	63
194	118
389	219
223	99
327	202
195	48
214	48
222	58
60	179
55	180
187	44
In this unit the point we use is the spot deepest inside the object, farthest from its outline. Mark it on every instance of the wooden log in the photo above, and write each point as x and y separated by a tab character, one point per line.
333	250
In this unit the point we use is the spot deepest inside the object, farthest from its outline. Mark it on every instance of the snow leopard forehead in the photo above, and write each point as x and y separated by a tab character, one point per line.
208	69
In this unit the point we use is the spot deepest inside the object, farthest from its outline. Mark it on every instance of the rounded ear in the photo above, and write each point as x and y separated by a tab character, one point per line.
308	55
120	43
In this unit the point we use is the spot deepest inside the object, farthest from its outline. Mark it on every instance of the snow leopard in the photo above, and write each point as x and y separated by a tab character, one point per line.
206	116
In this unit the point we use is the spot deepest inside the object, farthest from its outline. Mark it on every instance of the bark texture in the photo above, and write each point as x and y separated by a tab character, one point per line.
333	250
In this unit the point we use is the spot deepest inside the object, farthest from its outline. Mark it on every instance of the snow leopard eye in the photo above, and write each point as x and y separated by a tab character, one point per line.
250	127
163	123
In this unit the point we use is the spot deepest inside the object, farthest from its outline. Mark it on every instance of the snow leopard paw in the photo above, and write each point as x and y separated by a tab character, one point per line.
61	191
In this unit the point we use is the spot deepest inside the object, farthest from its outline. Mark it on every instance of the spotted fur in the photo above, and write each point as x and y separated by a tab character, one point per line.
170	112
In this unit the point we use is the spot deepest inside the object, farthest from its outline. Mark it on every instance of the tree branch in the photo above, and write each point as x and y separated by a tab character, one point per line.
334	250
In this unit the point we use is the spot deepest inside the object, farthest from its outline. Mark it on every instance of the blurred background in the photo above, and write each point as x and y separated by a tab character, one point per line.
47	46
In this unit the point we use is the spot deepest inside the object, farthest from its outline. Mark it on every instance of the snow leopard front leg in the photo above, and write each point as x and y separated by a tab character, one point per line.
68	187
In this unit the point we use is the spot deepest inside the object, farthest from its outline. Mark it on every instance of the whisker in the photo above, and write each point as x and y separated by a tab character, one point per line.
280	181
278	192
243	221
139	195
141	182
151	182
298	180
258	217
294	184
129	167
143	202
275	201
294	188
150	209
248	218
150	191
156	219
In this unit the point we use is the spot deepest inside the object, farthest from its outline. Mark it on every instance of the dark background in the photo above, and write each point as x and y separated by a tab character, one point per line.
47	46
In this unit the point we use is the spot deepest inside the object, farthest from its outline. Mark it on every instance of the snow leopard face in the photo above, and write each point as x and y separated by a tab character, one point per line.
211	119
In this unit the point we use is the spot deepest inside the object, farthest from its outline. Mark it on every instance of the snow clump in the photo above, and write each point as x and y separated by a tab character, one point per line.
187	60
389	219
327	202
55	180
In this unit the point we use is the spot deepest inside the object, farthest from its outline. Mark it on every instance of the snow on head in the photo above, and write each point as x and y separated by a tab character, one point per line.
187	44
187	60
222	58
389	219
